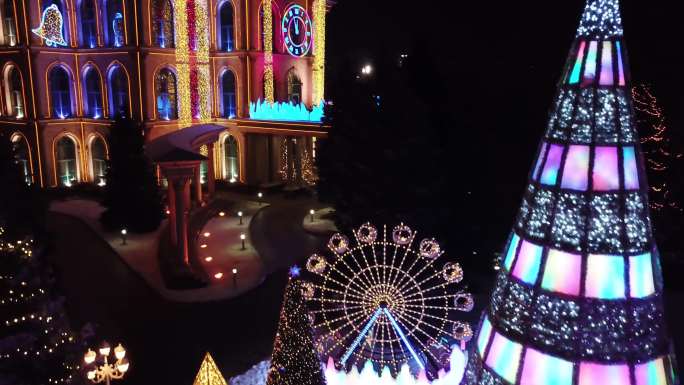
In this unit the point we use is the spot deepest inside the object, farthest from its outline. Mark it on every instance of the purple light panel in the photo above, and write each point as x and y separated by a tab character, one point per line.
577	68
590	67
606	177
483	338
606	78
553	159
621	68
575	172
540	160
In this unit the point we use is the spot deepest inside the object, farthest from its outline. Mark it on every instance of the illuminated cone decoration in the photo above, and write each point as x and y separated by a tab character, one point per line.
50	27
579	299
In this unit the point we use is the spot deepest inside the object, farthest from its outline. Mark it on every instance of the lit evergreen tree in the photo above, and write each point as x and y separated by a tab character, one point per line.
37	346
294	360
132	196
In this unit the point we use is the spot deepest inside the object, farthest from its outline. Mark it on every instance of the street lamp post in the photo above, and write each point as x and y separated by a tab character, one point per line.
123	236
234	278
102	370
311	213
260	195
242	238
240	216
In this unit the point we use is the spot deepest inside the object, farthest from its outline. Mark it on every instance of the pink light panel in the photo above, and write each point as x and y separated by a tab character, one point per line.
606	177
527	265
504	357
598	374
510	254
553	159
542	369
590	66
575	172
630	168
562	272
606	78
605	277
641	276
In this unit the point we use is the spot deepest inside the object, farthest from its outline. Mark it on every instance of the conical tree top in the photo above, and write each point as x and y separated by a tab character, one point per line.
579	300
209	373
601	20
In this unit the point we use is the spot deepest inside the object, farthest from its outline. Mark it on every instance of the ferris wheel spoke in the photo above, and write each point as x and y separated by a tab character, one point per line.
441	330
405	254
365	260
348	279
428	336
428	265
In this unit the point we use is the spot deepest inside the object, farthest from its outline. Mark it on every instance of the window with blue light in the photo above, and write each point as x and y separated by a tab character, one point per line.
294	88
88	24
118	97
231	162
93	94
226	27
60	94
162	14
165	87
67	171
228	101
114	23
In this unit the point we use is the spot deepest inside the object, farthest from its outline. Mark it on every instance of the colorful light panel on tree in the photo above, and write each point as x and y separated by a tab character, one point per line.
579	300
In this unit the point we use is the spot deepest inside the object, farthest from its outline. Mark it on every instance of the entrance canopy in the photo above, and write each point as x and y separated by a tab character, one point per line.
183	145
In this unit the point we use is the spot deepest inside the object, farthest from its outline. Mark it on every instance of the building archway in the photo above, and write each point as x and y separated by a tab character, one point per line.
165	94
8	28
92	89
294	87
66	155
228	94
59	84
226	27
119	98
230	159
22	153
98	160
162	13
14	91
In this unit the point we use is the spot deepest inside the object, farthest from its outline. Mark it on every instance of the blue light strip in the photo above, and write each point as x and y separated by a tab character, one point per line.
363	333
403	338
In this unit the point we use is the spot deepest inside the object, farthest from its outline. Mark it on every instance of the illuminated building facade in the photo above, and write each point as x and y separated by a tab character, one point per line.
70	66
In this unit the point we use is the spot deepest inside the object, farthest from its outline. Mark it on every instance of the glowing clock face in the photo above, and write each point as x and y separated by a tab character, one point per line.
297	31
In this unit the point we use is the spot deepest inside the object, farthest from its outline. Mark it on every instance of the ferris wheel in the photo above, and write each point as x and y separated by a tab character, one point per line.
384	300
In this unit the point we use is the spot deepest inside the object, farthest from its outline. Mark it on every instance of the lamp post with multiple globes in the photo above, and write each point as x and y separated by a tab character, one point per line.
100	370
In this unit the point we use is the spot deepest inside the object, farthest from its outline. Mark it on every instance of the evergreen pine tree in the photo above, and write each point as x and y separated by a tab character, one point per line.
36	345
132	196
294	360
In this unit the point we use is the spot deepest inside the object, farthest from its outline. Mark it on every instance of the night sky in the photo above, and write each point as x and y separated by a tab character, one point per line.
501	61
493	49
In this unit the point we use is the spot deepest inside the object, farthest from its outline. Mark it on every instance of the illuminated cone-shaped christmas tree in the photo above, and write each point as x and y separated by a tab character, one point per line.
579	298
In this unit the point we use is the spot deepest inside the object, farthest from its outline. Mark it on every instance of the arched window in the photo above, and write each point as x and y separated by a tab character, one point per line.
226	27
52	36
14	92
98	160
60	92
162	21
88	24
9	31
231	161
114	24
118	92
21	154
93	93
228	103
67	167
294	87
274	27
165	89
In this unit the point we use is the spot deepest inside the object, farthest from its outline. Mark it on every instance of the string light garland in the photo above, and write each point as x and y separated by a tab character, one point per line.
385	302
319	14
657	146
209	373
267	28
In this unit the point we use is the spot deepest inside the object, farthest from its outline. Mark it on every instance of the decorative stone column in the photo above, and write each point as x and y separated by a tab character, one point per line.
198	185
179	175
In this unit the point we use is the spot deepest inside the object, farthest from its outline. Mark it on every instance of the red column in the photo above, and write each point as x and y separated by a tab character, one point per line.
198	185
211	176
171	195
